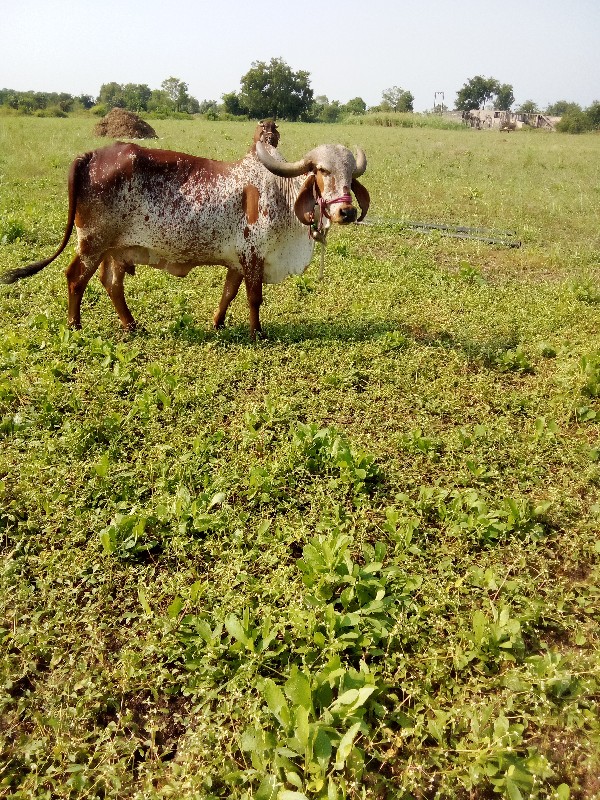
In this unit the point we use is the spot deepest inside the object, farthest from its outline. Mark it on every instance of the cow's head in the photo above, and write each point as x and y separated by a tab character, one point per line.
267	133
332	173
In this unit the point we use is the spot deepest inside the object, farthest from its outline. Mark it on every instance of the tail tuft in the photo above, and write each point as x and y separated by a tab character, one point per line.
14	275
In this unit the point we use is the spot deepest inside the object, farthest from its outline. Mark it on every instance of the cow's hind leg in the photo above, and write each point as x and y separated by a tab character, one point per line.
112	274
233	281
78	275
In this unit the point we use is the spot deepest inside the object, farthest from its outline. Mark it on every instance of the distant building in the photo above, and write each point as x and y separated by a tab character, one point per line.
507	120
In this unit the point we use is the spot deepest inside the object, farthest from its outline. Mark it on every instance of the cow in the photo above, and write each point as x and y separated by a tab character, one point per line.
267	133
132	205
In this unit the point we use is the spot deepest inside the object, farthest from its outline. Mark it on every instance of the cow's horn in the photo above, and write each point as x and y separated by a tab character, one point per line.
361	163
281	168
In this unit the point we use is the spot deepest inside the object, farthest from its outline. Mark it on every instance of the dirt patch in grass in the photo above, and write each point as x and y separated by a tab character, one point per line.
571	763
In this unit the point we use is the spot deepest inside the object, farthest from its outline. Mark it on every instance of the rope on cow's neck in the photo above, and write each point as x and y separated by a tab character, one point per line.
319	234
322	265
317	230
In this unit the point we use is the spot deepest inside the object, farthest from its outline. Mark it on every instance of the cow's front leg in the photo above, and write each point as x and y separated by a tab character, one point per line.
253	278
233	281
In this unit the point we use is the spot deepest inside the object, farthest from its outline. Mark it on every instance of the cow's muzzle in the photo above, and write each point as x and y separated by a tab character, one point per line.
344	215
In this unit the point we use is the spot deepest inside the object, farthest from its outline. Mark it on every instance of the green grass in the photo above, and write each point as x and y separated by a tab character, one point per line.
406	120
357	559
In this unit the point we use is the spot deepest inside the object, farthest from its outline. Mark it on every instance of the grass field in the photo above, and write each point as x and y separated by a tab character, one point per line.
357	559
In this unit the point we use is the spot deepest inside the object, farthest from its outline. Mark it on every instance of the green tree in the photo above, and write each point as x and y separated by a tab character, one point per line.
397	100
562	107
111	95
331	112
528	107
85	100
593	114
273	90
193	106
476	93
160	102
233	104
574	122
12	99
324	110
179	97
65	102
210	109
177	92
355	106
504	97
27	102
136	96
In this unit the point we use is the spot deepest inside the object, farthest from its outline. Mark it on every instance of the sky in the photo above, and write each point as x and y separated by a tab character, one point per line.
547	50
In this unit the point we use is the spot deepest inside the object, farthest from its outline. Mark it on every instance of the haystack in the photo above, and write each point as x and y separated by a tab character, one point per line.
119	123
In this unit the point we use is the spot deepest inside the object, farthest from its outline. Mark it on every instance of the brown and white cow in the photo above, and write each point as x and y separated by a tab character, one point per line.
256	217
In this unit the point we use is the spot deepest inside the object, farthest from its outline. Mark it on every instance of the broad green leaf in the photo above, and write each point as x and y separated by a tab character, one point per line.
102	466
248	740
267	789
235	628
294	779
322	748
217	500
302	728
144	601
345	746
204	630
435	730
195	590
297	688
374	566
175	607
480	625
286	794
351	700
276	702
512	790
107	542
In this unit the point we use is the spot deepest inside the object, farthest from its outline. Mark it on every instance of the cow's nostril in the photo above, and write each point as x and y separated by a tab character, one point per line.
348	214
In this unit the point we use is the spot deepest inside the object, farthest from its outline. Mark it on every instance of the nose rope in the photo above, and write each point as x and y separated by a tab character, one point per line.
316	230
344	198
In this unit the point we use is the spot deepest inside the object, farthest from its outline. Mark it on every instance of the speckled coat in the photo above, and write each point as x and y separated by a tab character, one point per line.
175	212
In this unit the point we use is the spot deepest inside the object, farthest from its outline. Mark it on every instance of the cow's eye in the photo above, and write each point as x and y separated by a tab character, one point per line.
324	171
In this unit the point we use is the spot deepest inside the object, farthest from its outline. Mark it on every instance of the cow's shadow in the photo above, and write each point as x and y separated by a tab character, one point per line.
278	333
393	335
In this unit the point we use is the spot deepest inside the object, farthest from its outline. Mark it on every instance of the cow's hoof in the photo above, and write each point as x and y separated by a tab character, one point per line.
133	330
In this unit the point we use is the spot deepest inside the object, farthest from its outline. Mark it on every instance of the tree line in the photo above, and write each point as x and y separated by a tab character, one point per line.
172	97
273	89
267	90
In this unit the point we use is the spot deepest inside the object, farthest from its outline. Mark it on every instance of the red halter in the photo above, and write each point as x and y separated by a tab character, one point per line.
317	230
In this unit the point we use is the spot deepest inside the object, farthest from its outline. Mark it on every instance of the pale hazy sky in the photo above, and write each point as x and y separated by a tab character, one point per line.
547	49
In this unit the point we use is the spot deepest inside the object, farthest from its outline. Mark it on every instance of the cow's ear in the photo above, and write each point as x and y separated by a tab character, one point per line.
362	197
305	204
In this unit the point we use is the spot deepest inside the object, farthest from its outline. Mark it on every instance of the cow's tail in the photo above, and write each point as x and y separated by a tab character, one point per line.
75	173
